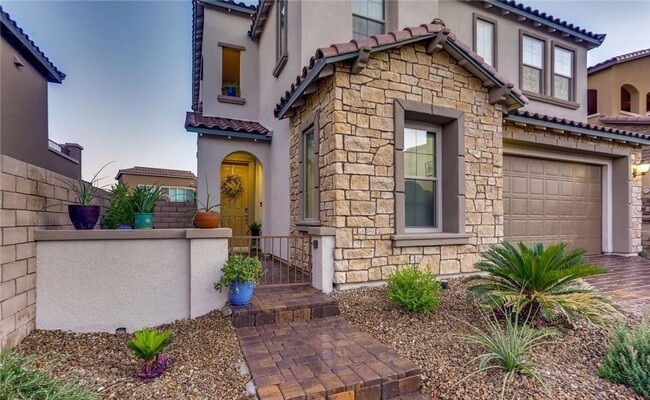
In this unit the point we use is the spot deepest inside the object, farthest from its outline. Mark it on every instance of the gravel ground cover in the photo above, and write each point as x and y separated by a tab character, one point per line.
205	355
568	363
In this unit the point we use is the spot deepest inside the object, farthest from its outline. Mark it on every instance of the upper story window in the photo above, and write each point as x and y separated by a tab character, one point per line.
421	171
647	103
563	74
368	18
231	71
532	60
282	51
485	35
592	101
630	101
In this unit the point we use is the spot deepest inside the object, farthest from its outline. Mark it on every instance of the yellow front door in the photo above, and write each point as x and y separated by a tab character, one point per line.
237	212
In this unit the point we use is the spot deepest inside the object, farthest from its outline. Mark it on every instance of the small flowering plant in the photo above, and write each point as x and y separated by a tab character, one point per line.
148	345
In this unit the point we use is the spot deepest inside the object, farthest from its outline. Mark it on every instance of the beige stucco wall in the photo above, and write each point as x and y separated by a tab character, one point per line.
458	16
104	280
608	82
357	167
134	180
24	123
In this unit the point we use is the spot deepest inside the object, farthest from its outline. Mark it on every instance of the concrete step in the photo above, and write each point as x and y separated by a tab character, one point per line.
325	358
279	304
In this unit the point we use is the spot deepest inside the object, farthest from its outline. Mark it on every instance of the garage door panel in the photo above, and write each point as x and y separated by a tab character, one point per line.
551	201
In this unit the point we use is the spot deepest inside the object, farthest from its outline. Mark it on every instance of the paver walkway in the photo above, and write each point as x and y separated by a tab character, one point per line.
297	347
627	282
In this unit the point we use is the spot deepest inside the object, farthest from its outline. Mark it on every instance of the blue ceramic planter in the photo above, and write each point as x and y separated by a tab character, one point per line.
143	221
231	92
241	293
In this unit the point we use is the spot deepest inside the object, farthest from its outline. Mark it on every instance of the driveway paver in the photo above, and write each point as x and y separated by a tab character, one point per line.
627	283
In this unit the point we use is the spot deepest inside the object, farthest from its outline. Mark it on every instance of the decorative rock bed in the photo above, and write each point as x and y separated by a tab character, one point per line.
568	364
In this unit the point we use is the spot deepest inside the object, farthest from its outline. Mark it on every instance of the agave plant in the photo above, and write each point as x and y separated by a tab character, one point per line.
544	283
145	198
148	345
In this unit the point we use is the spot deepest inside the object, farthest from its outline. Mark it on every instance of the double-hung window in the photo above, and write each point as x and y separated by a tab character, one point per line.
562	74
421	172
485	40
532	60
368	18
281	47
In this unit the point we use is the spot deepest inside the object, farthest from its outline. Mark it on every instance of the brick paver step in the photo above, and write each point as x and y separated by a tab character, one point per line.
279	304
325	358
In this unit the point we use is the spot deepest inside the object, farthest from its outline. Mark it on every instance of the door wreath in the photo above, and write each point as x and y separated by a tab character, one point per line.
232	186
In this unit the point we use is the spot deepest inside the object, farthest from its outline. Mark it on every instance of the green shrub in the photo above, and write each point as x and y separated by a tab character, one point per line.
148	343
18	380
542	282
507	349
627	359
413	289
239	269
120	209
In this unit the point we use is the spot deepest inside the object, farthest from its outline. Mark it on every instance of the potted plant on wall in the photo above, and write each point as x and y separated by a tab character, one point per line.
231	88
240	275
206	216
84	215
144	200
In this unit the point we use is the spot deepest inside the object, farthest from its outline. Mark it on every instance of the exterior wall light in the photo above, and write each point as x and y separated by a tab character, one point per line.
641	168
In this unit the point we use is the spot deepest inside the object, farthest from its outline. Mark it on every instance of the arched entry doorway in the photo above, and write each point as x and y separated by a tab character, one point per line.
241	192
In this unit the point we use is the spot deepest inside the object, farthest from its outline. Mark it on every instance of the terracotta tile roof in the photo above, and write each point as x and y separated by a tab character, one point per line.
162	172
625	119
581	125
197	120
618	60
598	37
19	39
337	52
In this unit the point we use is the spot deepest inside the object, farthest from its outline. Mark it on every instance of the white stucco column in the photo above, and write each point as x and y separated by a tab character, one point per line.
322	273
208	253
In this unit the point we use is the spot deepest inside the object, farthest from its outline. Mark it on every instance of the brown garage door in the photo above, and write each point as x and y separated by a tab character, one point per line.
552	201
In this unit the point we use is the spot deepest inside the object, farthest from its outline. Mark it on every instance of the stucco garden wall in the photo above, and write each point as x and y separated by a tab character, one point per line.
357	184
32	198
102	280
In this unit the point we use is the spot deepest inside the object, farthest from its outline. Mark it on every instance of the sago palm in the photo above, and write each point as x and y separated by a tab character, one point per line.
543	282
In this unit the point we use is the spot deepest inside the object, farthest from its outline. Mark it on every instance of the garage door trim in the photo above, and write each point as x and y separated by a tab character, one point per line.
605	163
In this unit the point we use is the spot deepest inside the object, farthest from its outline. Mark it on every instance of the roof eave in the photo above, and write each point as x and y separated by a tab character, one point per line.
230	134
513	103
576	129
46	68
593	41
229	7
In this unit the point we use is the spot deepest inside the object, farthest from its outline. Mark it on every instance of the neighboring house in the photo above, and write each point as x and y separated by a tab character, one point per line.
176	184
619	97
35	174
410	143
25	73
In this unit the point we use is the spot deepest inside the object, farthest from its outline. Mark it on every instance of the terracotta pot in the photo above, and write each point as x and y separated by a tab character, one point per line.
207	219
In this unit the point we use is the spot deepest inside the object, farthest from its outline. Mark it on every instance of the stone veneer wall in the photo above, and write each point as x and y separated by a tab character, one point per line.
31	198
357	161
174	214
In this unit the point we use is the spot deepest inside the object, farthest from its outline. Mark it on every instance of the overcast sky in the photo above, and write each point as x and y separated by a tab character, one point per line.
128	67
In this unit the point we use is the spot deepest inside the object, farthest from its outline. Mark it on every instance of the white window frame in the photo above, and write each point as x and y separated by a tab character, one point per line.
437	130
478	19
572	72
177	187
542	69
371	19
